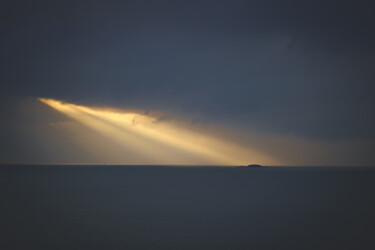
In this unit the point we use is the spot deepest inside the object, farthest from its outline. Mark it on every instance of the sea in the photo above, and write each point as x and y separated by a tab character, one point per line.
186	207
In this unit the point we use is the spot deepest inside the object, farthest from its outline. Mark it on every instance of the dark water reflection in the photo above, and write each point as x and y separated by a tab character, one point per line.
154	207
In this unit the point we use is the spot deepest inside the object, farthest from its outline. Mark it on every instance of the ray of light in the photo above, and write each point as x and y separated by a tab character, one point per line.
155	140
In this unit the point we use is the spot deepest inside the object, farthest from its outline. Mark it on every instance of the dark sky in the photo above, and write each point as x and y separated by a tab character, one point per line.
301	68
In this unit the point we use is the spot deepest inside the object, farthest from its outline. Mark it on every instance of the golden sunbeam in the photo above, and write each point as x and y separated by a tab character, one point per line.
161	142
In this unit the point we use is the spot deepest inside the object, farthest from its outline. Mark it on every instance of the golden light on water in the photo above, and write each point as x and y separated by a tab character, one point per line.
157	141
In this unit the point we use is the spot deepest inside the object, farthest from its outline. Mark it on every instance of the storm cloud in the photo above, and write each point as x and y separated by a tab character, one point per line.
299	68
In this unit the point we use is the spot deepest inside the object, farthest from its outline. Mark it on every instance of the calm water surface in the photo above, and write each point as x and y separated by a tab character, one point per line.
159	207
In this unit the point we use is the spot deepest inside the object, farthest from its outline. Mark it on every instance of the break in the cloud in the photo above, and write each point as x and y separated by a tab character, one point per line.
151	140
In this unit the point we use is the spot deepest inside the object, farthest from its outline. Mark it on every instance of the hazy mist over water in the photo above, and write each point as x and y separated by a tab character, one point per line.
160	207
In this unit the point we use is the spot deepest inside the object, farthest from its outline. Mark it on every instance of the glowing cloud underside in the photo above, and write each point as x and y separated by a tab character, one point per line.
160	142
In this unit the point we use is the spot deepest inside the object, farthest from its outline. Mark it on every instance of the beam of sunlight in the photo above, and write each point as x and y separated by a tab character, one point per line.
162	142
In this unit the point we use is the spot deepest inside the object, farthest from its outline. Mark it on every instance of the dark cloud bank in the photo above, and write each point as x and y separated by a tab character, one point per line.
290	67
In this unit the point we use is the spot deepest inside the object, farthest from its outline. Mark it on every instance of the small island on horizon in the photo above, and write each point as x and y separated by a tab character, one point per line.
252	166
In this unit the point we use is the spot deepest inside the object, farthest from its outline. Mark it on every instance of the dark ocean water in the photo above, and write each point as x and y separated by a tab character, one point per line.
155	207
